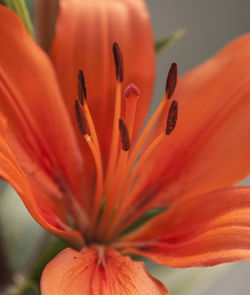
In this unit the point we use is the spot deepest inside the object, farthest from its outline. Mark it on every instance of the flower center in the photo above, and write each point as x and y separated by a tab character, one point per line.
114	187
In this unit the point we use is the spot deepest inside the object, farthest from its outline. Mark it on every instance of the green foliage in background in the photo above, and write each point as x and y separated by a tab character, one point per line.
20	8
165	42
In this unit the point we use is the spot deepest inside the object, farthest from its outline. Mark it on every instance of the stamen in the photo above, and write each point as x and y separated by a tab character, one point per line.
82	91
80	118
124	135
171	80
115	133
172	117
99	183
94	146
87	129
113	155
118	58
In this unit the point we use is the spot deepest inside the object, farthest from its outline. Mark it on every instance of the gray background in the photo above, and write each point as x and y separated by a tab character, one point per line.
210	24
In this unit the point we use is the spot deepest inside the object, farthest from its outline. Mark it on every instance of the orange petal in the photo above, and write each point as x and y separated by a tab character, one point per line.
11	171
85	272
38	122
201	231
85	34
209	149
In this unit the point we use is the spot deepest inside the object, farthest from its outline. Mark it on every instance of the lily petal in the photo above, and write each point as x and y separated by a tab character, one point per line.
34	200
38	122
86	272
209	149
201	231
84	37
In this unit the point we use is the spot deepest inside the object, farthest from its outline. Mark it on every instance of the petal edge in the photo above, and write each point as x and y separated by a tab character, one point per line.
86	272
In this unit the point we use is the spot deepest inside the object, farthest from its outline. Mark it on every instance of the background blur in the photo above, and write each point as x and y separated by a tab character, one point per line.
209	25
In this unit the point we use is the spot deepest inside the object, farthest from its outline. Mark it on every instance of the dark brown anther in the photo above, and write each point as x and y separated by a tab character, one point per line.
82	91
124	135
118	58
171	80
80	118
172	117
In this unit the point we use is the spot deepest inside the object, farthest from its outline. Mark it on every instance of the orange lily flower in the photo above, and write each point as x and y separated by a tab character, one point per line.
93	186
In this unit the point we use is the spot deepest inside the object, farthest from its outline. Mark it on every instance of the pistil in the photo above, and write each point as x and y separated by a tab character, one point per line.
131	96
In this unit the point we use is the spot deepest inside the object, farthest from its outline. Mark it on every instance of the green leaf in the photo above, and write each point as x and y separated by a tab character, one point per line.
165	42
19	7
144	218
